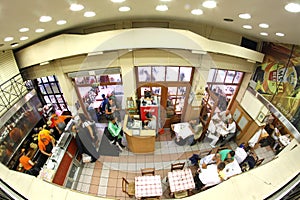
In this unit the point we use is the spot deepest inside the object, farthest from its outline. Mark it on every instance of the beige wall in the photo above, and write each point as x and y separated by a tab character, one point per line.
8	66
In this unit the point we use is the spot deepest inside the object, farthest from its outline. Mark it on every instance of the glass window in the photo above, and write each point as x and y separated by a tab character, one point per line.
79	80
181	90
229	77
158	73
185	74
114	78
51	78
172	73
172	90
156	90
144	74
238	77
211	75
220	76
143	89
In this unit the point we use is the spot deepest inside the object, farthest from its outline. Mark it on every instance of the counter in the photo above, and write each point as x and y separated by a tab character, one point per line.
63	166
139	140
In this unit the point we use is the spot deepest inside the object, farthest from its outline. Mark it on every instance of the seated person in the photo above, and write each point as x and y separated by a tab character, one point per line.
208	160
212	133
151	121
231	131
225	116
191	140
226	154
240	154
116	132
197	129
210	176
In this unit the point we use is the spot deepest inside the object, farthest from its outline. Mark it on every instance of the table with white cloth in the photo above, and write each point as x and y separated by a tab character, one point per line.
148	186
182	130
181	180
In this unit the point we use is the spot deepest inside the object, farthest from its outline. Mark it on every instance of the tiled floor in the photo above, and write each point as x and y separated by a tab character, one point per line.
104	177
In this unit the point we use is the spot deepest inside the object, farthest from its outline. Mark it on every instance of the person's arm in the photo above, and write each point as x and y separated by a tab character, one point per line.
31	163
90	131
44	152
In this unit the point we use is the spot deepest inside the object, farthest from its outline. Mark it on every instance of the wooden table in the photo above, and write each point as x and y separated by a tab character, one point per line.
148	186
181	180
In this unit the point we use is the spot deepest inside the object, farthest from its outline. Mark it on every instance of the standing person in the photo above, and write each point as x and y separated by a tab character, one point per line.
151	121
59	122
116	132
103	104
28	164
112	110
46	143
91	127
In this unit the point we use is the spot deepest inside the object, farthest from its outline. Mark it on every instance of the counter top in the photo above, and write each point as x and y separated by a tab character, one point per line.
136	132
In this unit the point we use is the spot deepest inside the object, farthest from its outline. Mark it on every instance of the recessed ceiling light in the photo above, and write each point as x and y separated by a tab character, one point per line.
39	30
263	25
7	39
76	7
245	16
162	8
264	33
247	26
23	38
61	22
166	0
45	19
124	9
117	1
279	34
197	12
89	14
14	44
22	30
209	4
292	7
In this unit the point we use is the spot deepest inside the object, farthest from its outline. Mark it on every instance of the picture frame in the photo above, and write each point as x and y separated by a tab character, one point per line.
261	117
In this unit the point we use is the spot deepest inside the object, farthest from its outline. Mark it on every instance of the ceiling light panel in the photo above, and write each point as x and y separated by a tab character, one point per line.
8	39
245	16
45	19
23	38
209	4
197	12
124	9
292	7
89	14
76	7
280	34
162	8
22	30
118	1
165	0
264	33
61	22
263	25
39	30
247	26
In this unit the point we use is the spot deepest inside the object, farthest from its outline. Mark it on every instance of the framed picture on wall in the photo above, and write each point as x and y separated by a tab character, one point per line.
261	117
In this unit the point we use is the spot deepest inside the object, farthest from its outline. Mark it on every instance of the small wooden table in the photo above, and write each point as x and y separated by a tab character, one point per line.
181	180
148	186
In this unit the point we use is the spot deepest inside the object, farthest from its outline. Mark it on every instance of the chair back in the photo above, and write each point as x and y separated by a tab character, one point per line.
128	188
177	166
148	171
181	194
259	161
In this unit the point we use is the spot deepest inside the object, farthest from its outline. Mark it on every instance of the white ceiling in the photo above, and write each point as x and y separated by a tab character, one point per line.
16	14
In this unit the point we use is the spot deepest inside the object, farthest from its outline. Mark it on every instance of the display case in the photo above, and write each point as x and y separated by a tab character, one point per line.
16	125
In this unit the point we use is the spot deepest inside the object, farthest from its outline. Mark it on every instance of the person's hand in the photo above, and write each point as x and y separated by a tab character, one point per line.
204	166
199	170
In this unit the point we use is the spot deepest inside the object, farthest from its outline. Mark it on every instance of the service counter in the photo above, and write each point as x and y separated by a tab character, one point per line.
63	166
139	140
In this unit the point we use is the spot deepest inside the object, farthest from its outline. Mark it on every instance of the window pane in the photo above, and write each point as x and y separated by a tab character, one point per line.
47	100
44	79
172	90
42	89
211	75
48	88
238	77
113	78
51	78
144	74
229	76
158	73
179	104
181	90
79	80
172	73
156	90
59	98
220	76
103	79
39	80
185	74
230	89
55	88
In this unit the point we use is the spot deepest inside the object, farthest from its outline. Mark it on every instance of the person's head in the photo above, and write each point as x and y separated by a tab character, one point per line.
112	118
230	155
110	100
82	117
221	166
148	115
230	120
103	96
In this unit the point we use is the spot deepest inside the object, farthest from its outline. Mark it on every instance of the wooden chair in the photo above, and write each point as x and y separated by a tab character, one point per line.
181	194
148	171
259	161
128	187
177	166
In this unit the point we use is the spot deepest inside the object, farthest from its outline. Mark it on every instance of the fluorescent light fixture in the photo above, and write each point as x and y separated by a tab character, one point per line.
76	7
264	34
209	4
61	22
279	34
244	16
247	26
45	19
117	1
22	30
39	30
95	53
263	25
292	7
199	52
166	0
89	14
124	9
8	39
23	38
197	12
162	8
44	63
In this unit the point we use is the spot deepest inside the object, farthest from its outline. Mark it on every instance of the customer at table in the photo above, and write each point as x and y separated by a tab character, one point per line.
225	116
197	129
231	132
208	160
116	132
150	122
212	133
112	110
226	155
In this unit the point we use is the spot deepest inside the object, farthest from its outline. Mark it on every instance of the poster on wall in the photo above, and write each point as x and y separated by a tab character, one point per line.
278	79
